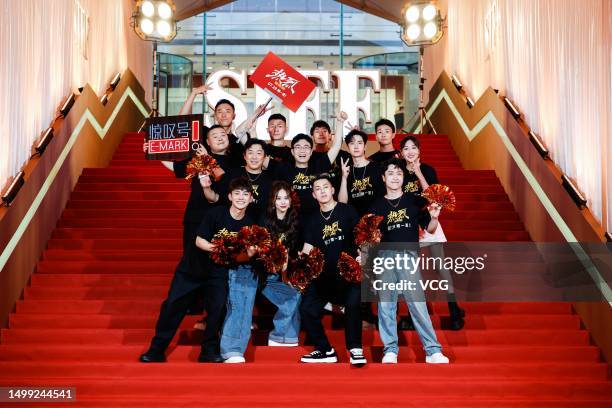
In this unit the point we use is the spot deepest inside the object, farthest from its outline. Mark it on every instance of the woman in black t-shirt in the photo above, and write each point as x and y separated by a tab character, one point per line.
419	176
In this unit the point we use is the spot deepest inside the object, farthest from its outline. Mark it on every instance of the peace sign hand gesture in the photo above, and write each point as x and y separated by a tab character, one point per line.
346	169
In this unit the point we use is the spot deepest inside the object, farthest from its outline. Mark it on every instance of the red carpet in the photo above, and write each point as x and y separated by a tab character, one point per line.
91	307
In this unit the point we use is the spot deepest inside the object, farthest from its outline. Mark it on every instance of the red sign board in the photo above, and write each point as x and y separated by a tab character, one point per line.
172	137
283	81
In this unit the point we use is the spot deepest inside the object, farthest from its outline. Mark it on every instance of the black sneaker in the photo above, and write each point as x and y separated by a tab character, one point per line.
210	358
318	356
152	357
357	357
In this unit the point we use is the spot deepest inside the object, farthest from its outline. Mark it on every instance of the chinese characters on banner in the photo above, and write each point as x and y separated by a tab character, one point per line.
173	137
283	81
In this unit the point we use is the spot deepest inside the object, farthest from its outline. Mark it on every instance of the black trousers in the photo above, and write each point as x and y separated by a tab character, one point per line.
184	290
339	292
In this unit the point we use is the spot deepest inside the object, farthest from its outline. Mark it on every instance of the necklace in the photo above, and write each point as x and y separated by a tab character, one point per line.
365	168
330	214
252	179
394	205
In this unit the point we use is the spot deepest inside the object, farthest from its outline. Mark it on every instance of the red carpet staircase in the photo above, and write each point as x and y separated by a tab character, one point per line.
92	303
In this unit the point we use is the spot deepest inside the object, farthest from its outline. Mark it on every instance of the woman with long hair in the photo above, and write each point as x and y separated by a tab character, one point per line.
281	219
419	176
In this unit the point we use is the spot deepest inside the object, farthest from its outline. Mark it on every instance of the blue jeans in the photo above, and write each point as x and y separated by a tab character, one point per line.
387	310
237	325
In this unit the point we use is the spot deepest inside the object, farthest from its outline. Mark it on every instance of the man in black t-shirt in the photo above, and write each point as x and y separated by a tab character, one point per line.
277	129
331	230
301	171
322	135
242	283
385	133
213	279
360	185
403	214
261	180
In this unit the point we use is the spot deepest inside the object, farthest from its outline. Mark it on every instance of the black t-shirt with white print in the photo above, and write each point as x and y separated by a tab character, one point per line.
403	216
332	233
217	223
364	186
411	181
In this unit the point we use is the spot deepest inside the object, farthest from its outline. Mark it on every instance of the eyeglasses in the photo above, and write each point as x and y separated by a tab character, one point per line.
302	148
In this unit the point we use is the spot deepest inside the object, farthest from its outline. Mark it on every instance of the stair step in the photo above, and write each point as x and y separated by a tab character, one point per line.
358	387
407	354
144	306
190	336
139	321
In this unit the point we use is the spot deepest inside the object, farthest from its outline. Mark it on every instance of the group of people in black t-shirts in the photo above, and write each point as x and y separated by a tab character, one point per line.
335	188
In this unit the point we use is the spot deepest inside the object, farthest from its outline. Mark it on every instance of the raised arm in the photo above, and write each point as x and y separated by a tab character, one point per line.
338	136
188	105
246	126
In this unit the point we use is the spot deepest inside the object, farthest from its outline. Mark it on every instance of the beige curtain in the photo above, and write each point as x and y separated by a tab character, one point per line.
552	57
49	48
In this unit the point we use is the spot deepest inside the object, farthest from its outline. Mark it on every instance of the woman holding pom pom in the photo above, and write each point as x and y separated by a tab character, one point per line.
281	221
418	177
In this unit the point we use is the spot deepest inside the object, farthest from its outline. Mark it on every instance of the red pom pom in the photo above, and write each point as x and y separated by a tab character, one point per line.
254	236
366	231
203	164
441	195
227	249
304	269
274	257
349	268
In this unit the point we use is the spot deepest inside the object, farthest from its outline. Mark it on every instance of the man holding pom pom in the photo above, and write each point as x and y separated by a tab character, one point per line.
403	214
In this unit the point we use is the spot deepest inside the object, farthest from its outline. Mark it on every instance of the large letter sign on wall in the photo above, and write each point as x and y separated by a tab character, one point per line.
217	93
297	120
348	85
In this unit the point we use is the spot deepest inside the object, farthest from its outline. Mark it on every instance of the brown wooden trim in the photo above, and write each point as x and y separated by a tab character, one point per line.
487	152
88	151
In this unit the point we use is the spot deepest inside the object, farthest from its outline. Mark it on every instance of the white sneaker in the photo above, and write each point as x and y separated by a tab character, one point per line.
273	343
320	357
436	358
235	360
357	357
389	358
